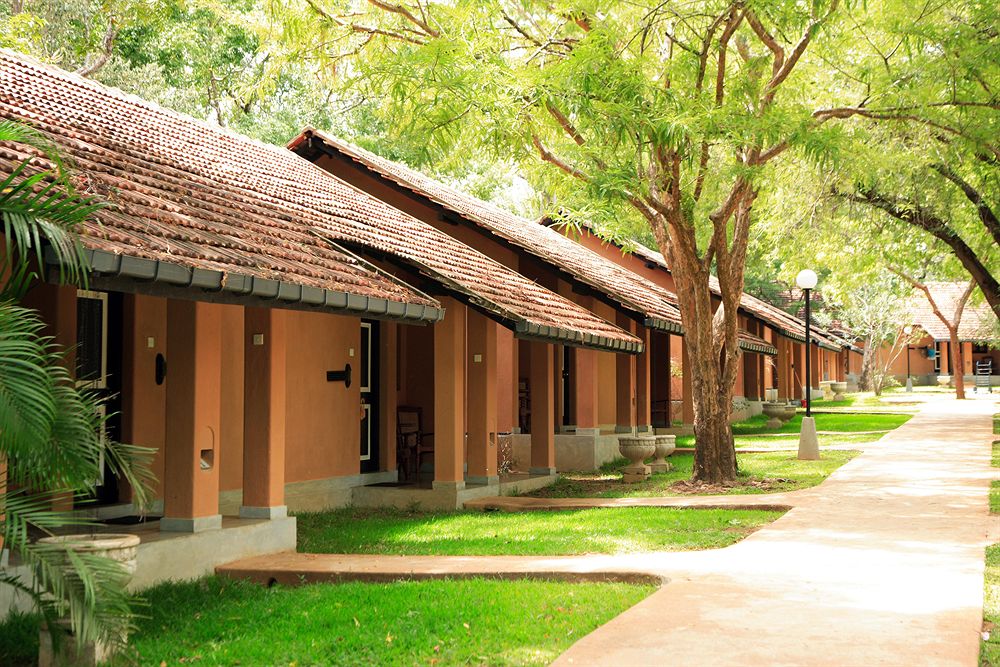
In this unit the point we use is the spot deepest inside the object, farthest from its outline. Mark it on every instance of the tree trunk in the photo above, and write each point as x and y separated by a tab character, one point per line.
867	366
715	455
710	339
957	363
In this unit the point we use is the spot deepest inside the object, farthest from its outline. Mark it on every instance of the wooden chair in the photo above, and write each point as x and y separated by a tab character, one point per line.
411	446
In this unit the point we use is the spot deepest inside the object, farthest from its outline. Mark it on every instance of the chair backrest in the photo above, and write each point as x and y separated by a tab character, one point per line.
408	420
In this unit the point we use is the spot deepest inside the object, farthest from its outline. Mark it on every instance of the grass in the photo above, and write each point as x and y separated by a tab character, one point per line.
893	398
989	649
767	472
607	531
219	622
754	432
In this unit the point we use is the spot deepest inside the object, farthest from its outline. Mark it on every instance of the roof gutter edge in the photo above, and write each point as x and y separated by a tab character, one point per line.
661	324
238	284
530	331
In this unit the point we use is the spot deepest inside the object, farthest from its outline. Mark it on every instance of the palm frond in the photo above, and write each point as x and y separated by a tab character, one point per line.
20	133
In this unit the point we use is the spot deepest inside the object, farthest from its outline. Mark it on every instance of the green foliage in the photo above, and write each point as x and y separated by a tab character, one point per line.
19	640
923	84
50	430
616	530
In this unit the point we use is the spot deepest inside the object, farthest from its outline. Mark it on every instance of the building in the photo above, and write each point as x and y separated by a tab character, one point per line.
238	330
930	359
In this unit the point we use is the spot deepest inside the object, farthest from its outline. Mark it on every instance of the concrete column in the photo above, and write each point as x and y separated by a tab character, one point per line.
388	399
143	416
643	384
739	386
585	392
515	385
967	357
557	386
64	326
816	366
506	381
194	414
945	359
625	386
543	419
482	401
264	396
449	397
687	401
752	376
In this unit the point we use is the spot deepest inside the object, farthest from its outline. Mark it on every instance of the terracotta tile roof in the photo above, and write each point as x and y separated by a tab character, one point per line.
192	194
636	294
976	319
784	323
176	189
752	343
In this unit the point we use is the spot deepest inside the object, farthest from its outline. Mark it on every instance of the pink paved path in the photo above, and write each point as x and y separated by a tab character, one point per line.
881	564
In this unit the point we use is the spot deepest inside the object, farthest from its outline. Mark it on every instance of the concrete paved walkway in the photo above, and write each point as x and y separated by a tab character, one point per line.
881	564
884	566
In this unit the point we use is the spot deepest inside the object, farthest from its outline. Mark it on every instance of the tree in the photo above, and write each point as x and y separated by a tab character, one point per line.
50	431
876	313
951	324
667	114
926	79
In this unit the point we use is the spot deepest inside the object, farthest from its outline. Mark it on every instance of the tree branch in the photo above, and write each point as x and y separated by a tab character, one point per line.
924	219
355	27
986	214
847	112
407	14
565	124
107	46
800	48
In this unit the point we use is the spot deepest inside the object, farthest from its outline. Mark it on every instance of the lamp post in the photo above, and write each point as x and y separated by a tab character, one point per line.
907	331
808	442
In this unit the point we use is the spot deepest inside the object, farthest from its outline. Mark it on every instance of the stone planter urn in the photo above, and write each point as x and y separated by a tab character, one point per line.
120	547
636	449
839	389
775	413
943	380
826	386
665	446
789	412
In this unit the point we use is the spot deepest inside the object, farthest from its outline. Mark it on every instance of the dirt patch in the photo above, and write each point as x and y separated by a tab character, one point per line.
692	488
609	486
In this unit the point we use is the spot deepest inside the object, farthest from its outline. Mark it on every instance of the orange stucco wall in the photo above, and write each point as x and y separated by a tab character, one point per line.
144	401
323	420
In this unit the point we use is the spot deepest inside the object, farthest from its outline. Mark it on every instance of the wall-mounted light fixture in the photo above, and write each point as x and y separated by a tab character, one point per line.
340	376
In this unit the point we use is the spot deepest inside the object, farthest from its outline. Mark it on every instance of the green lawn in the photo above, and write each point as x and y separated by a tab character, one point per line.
615	530
470	622
989	649
836	422
767	472
894	399
754	432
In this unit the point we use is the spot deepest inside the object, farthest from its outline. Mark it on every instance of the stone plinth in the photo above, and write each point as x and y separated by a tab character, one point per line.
636	449
665	446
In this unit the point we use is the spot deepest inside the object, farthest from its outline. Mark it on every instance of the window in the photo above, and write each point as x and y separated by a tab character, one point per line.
92	339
